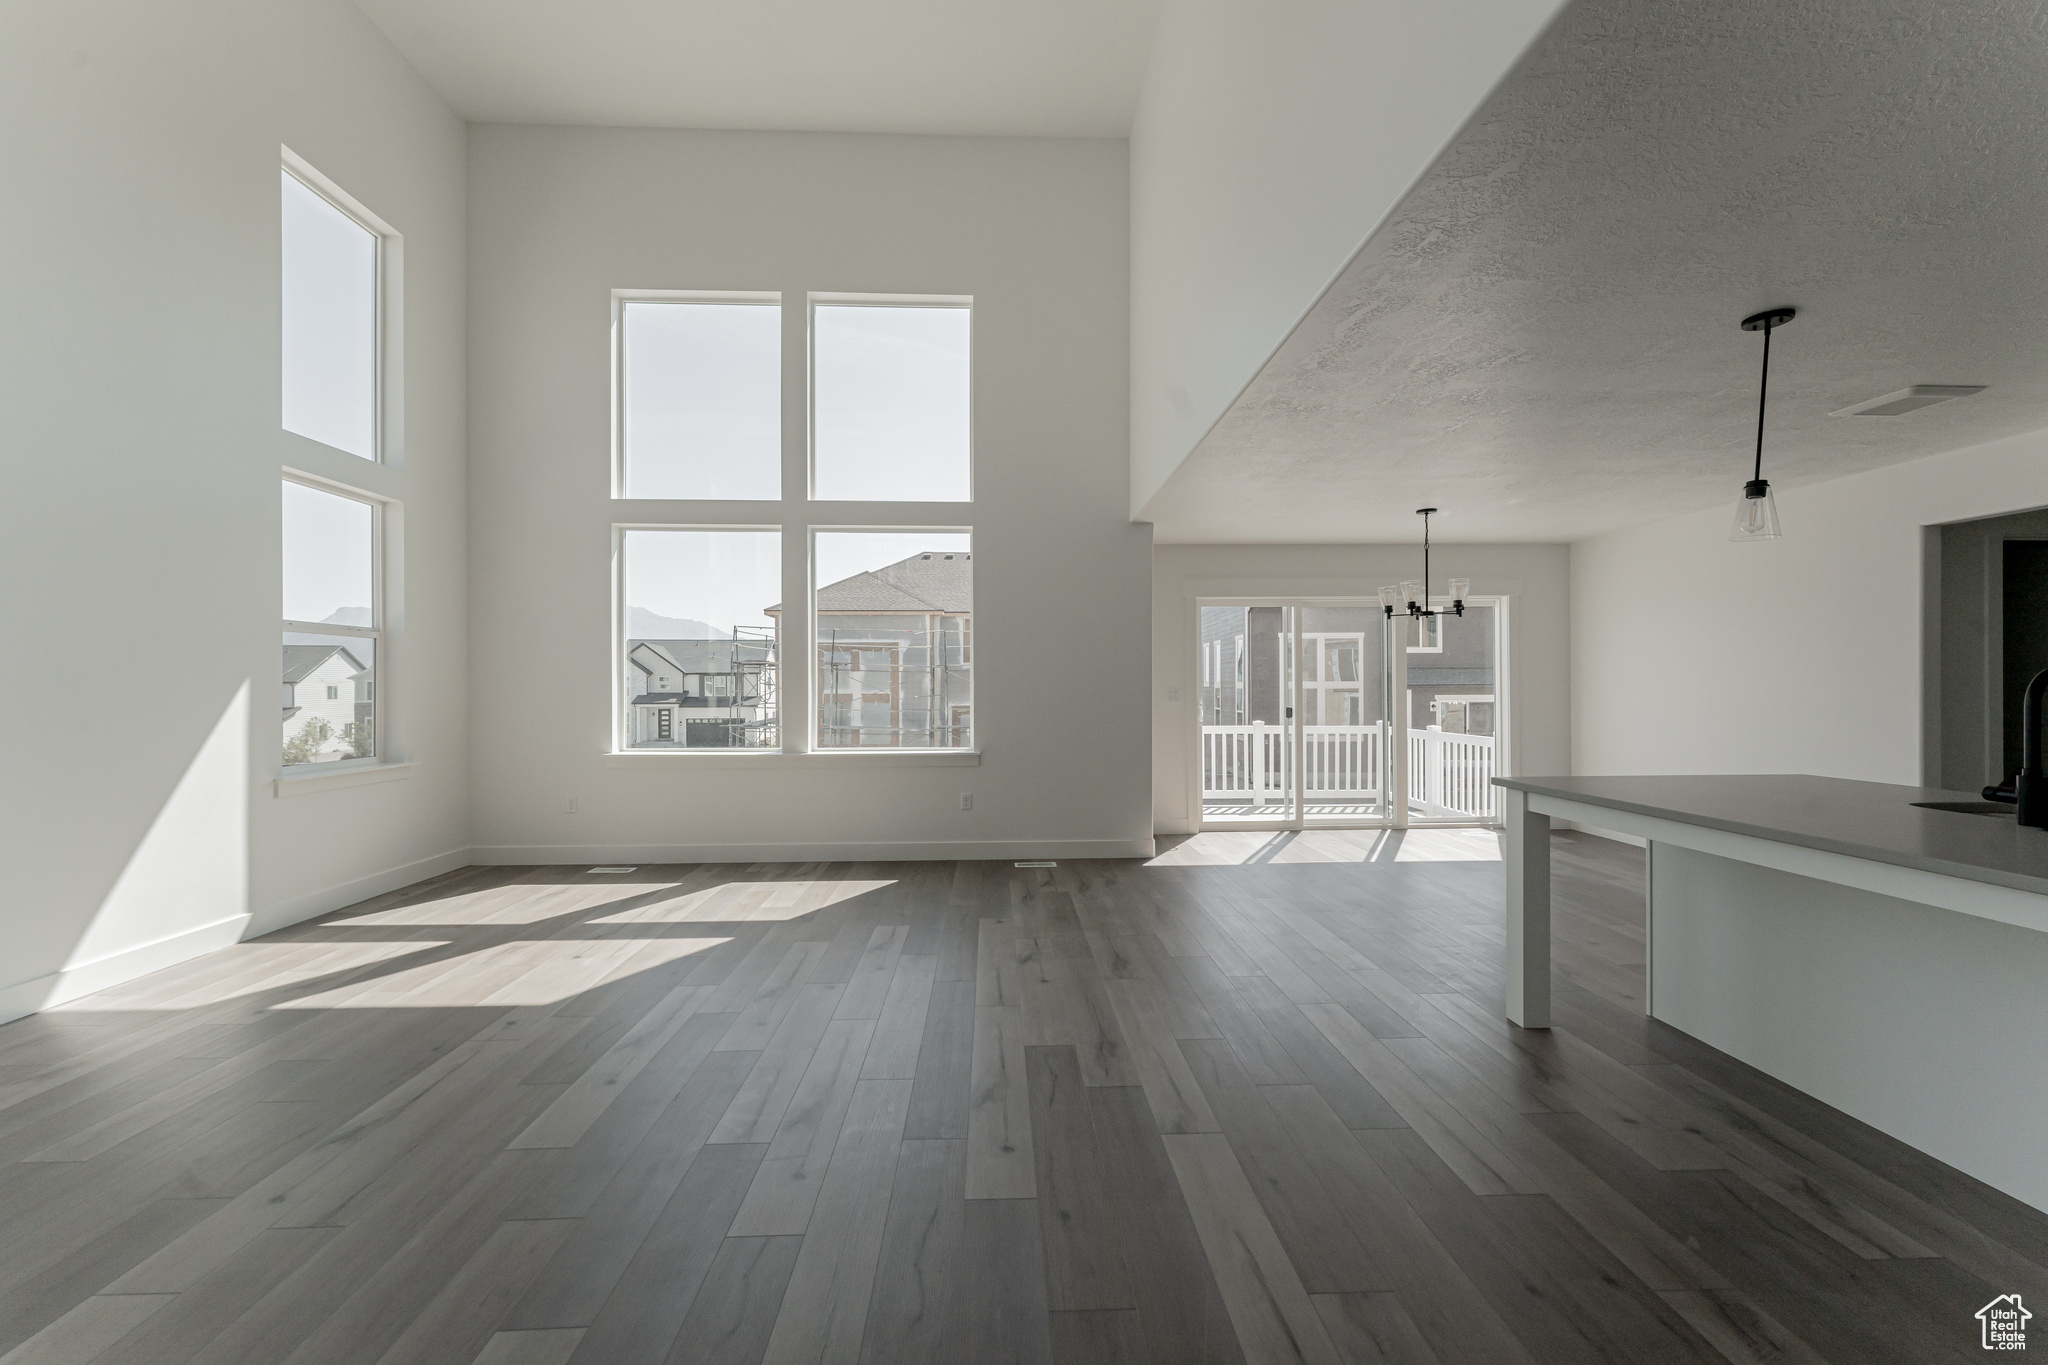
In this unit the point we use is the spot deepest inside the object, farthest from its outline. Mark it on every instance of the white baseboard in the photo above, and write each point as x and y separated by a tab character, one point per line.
288	912
41	992
81	979
517	855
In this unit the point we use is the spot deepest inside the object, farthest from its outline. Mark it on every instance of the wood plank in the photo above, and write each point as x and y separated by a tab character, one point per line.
1312	1229
463	1317
824	1313
757	1110
1274	1319
730	1320
1084	1266
783	1191
999	1151
1368	1329
553	1347
939	1098
1178	1105
915	1275
645	1309
899	1031
999	1315
612	1226
87	1330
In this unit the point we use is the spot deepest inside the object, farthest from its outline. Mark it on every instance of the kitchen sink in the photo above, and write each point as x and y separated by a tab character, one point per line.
1969	807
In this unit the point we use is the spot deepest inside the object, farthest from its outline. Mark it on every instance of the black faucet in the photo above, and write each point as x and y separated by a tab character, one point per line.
2028	788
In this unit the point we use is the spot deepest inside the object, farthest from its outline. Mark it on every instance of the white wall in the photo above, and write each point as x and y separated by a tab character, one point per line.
1035	232
1692	654
1532	577
1269	142
139	375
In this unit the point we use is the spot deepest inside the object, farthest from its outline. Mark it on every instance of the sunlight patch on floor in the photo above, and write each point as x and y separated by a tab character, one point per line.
243	969
1244	848
737	901
531	972
519	903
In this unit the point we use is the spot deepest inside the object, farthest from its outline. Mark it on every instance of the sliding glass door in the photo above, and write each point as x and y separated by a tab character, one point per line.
1328	713
1246	721
1344	720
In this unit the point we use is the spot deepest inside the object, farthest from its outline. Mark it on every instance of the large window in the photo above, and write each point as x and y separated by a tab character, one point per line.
700	396
892	417
332	626
332	267
724	574
700	639
893	616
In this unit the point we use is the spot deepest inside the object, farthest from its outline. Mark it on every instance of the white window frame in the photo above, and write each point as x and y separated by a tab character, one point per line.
620	298
798	517
812	302
375	632
387	428
811	610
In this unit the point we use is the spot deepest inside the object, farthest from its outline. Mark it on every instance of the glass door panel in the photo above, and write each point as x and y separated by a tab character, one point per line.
1245	711
1454	700
1344	719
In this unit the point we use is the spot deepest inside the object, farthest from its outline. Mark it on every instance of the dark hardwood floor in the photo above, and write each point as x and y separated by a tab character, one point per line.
1253	1101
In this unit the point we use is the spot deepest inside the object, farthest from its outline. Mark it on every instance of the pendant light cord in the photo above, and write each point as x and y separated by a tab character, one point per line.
1763	387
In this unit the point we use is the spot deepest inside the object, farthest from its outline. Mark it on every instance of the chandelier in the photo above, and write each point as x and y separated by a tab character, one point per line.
1416	592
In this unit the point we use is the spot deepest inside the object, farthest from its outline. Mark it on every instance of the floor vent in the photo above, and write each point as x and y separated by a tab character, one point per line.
614	869
1034	864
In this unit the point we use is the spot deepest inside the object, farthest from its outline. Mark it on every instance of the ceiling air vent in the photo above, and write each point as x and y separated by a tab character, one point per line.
1906	400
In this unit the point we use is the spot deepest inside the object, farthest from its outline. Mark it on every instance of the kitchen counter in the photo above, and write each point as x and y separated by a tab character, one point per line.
1872	820
1888	959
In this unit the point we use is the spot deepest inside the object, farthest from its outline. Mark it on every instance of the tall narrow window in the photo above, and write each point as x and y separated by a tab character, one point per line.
893	629
701	638
332	627
892	419
700	398
330	322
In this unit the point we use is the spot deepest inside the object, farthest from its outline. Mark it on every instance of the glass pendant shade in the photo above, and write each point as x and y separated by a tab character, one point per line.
1390	597
1461	588
1756	513
1411	591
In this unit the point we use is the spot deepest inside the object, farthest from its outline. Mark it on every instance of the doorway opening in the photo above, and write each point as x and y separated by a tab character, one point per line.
1327	714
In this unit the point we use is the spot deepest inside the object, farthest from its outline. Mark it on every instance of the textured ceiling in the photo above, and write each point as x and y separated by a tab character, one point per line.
1048	68
1542	341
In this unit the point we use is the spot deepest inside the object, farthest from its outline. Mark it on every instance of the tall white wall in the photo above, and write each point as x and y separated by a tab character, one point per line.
1035	231
1534	579
141	444
1270	140
1692	654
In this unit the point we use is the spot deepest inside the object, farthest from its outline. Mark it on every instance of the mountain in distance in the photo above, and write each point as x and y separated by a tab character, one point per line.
348	616
642	624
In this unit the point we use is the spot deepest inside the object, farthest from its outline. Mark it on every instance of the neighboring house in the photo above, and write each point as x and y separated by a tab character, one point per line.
701	693
895	655
1450	669
325	683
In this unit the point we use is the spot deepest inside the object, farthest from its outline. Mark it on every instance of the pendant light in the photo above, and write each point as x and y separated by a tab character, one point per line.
1756	511
1416	591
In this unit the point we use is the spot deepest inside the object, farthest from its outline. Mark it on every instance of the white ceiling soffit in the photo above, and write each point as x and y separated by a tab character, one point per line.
1056	68
1542	340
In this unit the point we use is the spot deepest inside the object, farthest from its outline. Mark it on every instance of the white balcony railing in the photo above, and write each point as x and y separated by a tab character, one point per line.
1449	775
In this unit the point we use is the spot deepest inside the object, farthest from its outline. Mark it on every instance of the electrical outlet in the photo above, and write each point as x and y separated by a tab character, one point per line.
572	805
966	800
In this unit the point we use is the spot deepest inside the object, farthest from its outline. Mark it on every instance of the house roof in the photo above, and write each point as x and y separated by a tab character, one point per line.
300	660
699	656
935	580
